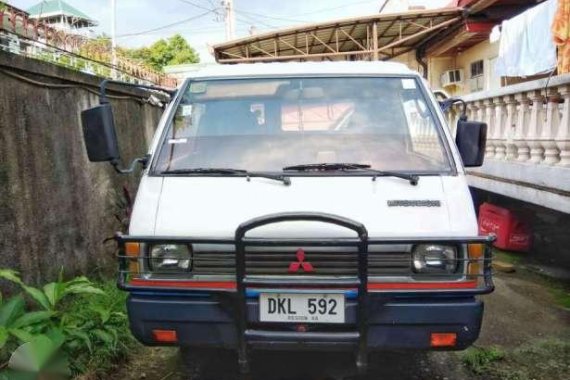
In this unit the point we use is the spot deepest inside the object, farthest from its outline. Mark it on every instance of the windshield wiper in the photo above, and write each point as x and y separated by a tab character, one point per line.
338	166
278	177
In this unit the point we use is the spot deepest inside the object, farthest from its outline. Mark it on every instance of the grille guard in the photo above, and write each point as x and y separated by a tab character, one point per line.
362	242
240	241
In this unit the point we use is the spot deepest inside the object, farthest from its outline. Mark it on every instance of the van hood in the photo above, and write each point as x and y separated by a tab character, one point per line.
388	207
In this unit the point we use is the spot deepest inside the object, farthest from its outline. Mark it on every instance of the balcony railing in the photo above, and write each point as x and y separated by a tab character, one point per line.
528	140
528	122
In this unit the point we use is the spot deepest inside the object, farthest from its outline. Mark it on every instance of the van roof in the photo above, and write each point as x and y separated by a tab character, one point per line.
303	68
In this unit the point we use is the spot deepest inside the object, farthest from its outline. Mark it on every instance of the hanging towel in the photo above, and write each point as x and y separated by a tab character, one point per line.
561	35
495	34
526	46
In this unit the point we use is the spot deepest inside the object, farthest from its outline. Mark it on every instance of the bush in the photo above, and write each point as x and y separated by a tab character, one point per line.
72	327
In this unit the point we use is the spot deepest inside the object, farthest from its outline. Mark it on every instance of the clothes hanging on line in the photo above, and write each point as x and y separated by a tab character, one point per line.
561	35
526	47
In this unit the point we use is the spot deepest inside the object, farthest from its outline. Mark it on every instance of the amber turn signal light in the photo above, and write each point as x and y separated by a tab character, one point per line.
165	336
443	339
476	253
132	250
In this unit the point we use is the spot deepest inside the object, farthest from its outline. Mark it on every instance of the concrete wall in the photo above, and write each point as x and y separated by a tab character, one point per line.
57	208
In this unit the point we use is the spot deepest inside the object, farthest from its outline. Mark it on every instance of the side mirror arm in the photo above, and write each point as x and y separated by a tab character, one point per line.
448	103
140	160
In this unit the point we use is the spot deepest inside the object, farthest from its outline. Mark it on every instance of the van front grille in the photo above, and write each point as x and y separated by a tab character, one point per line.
277	262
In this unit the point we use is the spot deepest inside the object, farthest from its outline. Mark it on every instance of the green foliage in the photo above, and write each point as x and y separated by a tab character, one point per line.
478	359
561	296
97	330
172	51
76	327
537	359
508	257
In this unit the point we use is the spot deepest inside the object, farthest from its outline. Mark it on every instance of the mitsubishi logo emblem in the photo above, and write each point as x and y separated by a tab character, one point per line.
306	266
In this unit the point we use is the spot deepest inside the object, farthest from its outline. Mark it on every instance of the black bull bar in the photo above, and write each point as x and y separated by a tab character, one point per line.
360	282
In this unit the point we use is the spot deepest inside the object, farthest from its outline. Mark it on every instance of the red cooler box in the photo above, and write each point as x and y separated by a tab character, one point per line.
512	234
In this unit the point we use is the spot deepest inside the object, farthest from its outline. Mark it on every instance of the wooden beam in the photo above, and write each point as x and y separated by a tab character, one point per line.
323	43
293	57
261	50
420	33
348	34
374	41
232	54
292	46
449	42
353	40
480	5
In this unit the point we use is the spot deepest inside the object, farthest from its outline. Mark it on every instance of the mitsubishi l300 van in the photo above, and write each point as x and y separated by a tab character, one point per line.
314	206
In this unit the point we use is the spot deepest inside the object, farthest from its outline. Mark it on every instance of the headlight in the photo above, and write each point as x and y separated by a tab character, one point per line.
435	258
170	258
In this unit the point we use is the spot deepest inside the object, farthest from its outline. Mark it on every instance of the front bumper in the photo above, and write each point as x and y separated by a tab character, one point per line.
389	319
207	320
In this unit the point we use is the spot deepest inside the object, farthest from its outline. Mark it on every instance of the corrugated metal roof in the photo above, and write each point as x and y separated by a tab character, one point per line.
346	38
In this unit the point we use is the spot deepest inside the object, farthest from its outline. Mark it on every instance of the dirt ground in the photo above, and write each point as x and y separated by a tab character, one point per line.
521	311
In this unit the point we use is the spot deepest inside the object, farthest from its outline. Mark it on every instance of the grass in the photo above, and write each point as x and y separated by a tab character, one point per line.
561	295
540	359
560	290
508	257
479	359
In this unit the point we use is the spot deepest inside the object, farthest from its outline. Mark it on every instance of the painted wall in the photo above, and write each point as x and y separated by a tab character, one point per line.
482	51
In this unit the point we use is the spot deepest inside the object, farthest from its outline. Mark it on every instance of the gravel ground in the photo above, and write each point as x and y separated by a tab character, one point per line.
521	310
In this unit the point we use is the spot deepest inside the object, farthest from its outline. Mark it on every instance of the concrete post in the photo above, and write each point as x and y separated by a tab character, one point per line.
563	135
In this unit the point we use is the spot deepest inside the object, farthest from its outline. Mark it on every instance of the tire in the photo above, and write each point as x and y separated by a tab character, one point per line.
210	364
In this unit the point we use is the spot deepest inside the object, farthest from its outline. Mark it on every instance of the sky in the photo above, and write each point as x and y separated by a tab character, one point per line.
141	22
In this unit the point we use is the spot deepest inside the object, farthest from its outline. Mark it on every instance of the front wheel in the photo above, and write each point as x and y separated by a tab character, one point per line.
210	363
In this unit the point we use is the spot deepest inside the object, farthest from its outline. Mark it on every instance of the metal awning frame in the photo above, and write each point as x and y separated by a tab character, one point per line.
379	37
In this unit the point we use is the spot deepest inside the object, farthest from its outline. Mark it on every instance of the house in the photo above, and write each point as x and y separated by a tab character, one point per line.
61	16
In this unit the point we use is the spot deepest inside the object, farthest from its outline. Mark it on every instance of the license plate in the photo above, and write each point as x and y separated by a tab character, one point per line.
301	307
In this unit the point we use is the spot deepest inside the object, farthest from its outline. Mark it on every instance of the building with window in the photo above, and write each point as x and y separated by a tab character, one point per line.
61	16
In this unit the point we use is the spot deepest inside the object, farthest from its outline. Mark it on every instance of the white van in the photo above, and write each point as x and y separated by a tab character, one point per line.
315	206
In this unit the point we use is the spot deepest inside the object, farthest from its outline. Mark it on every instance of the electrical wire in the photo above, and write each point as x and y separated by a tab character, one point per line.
254	20
58	86
215	10
267	17
334	8
165	26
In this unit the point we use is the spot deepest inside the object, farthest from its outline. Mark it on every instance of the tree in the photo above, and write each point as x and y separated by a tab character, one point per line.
172	51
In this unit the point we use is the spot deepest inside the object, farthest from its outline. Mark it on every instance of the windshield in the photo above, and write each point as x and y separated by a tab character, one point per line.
269	124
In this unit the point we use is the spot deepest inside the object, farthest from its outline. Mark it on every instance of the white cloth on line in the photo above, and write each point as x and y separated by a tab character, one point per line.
495	34
526	46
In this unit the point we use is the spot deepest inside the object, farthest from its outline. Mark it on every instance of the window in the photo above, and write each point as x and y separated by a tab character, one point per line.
477	81
267	124
477	69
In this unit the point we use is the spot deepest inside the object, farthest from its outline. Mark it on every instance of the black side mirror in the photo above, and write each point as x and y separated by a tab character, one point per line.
99	133
471	140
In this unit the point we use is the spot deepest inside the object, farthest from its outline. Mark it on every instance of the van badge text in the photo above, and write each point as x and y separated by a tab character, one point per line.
414	203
